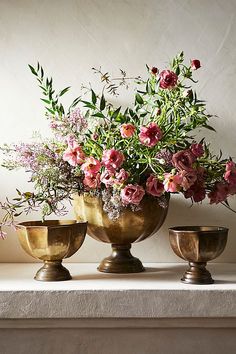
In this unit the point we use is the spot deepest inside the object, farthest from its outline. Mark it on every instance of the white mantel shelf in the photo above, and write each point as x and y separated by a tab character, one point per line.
154	294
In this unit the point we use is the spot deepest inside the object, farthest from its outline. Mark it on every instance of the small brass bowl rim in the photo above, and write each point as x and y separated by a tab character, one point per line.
199	229
49	223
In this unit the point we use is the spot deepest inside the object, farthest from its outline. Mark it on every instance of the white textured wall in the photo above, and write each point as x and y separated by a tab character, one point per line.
69	37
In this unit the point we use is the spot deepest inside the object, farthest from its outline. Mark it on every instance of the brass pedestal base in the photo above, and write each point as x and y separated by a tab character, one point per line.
121	261
197	274
52	271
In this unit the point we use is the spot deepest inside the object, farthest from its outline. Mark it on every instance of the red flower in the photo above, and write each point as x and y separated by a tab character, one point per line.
154	70
127	130
92	181
168	79
154	186
112	159
197	150
230	174
195	64
219	193
183	160
132	194
150	135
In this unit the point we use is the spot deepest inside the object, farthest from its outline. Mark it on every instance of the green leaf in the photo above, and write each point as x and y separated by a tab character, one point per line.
89	105
32	70
63	91
46	101
139	98
115	113
94	97
102	103
50	110
98	114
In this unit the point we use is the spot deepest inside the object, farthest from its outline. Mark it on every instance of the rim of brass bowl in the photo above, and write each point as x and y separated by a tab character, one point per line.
200	229
49	223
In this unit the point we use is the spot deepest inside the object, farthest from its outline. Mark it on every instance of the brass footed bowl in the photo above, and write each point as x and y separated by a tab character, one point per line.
198	245
130	227
51	241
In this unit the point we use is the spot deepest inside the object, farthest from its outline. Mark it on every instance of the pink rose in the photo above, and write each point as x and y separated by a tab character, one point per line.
92	181
168	79
112	159
121	176
154	186
132	194
172	183
219	193
127	130
74	154
195	64
108	178
91	166
183	160
197	150
230	174
150	135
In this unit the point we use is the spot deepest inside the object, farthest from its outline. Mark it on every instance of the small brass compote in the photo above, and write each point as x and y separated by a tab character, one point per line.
51	241
198	245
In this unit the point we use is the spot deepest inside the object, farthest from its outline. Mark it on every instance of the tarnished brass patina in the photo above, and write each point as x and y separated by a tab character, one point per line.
130	227
198	245
51	241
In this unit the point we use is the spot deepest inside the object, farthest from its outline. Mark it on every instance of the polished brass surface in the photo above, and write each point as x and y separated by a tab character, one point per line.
51	241
130	227
198	245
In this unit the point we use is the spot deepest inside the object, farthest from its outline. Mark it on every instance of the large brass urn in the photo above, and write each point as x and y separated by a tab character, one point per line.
130	227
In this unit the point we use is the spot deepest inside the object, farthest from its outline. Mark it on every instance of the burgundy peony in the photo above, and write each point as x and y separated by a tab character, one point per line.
183	160
197	150
230	174
219	193
154	70
195	64
168	79
188	179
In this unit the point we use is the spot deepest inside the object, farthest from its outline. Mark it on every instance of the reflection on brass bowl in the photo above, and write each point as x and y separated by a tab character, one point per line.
198	245
51	241
130	227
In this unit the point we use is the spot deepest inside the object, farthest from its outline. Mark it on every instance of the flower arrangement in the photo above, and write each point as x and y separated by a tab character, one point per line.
122	154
